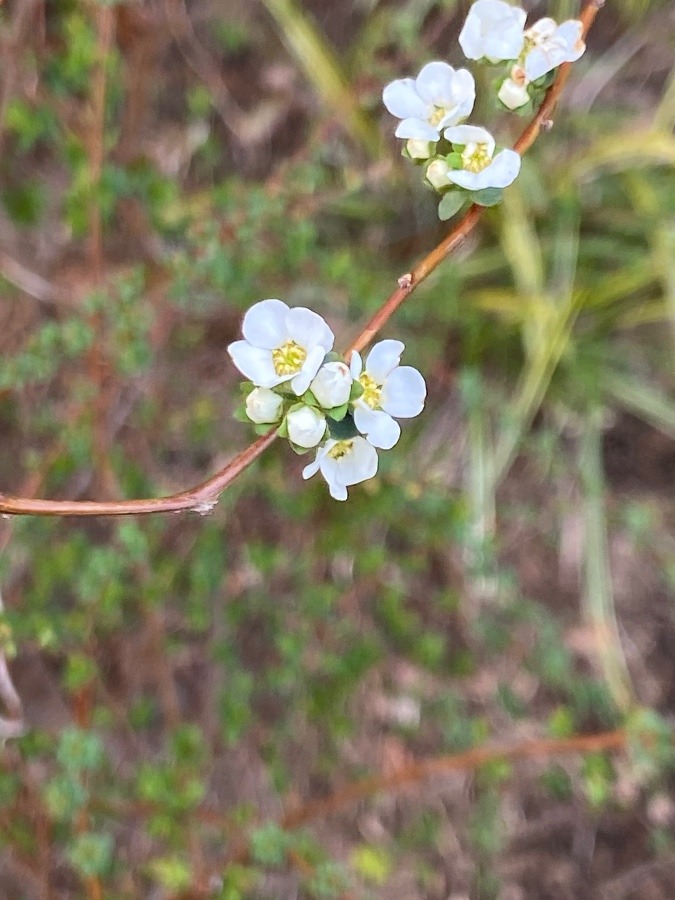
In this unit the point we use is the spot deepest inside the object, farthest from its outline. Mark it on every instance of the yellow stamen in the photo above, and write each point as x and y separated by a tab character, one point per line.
371	390
289	358
437	116
476	157
341	449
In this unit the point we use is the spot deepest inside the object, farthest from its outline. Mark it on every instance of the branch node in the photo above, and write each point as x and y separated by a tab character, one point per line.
204	507
546	124
405	281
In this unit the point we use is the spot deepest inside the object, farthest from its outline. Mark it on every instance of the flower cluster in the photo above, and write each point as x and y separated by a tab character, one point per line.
347	411
461	162
495	31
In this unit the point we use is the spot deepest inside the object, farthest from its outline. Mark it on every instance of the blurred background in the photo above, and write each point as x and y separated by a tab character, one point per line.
184	682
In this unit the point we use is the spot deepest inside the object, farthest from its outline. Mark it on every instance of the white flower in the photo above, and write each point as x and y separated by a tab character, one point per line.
281	344
438	97
263	406
549	45
480	168
493	30
513	92
419	149
332	384
389	390
437	174
343	463
306	426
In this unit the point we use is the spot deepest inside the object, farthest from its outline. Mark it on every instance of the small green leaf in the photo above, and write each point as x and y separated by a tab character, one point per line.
338	412
356	391
263	428
450	204
301	451
342	430
332	357
488	196
246	387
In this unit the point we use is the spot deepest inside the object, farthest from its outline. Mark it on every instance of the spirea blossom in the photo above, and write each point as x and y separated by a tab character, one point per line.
281	344
343	410
493	30
343	463
389	390
547	45
438	97
480	168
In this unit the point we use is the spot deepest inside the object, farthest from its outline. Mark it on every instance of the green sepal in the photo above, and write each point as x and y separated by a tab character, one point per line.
458	148
545	82
332	357
454	160
488	196
338	413
240	415
451	203
300	450
356	391
282	430
309	399
284	389
263	427
246	387
342	430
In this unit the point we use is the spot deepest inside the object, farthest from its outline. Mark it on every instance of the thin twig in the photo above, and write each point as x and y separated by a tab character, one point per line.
203	497
469	760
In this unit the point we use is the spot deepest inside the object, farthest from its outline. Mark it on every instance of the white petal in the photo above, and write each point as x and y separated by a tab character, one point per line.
384	357
310	367
542	60
463	97
404	393
434	83
502	171
466	134
255	363
337	491
313	467
402	100
359	464
571	33
309	330
418	129
542	30
378	426
264	324
355	365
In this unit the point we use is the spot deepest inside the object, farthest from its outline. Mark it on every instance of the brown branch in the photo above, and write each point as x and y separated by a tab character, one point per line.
203	497
469	760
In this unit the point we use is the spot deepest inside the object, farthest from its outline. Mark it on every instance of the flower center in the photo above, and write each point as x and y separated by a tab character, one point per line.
371	390
288	358
340	449
475	157
437	116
